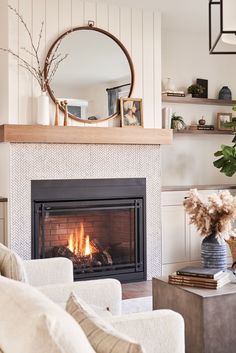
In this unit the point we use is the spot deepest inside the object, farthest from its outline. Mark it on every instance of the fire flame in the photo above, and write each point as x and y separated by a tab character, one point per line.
80	244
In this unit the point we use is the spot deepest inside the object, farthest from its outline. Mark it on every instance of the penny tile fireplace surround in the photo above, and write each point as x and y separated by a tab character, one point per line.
39	161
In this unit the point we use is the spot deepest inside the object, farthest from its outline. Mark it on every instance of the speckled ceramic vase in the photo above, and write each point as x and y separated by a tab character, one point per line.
225	93
214	252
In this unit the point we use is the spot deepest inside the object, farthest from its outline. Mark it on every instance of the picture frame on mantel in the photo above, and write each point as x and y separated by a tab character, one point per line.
223	118
131	111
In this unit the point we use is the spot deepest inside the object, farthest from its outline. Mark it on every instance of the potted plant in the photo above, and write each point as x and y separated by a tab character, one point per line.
212	217
196	90
177	122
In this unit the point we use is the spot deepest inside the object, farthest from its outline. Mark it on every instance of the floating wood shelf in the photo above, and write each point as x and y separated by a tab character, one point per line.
84	135
200	132
203	101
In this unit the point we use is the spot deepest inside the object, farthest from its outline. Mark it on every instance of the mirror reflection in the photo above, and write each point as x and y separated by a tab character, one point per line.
93	77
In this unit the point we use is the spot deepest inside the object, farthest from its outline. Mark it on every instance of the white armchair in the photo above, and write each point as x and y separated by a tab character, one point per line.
160	331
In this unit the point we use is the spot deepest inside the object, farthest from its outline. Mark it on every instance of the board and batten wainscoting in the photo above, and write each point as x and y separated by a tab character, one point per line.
138	29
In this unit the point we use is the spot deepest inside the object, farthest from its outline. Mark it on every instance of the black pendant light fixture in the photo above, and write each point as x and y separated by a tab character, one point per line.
222	26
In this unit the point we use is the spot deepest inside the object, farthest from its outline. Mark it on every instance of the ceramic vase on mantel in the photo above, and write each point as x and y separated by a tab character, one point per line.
214	252
43	109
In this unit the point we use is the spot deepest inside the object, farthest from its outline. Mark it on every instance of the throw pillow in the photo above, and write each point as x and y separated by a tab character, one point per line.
102	336
30	322
11	265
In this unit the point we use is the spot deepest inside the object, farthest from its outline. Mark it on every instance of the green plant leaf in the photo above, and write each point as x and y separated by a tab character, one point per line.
228	170
219	163
227	151
218	153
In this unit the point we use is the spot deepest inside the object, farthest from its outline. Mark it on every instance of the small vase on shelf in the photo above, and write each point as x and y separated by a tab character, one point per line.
214	252
225	93
43	109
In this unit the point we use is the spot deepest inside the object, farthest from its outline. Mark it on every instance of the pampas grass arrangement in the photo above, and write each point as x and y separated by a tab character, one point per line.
213	215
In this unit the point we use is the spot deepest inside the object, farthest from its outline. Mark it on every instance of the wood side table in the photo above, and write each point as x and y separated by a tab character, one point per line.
209	314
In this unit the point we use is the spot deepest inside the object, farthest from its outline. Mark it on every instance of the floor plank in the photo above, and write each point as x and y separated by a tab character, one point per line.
136	290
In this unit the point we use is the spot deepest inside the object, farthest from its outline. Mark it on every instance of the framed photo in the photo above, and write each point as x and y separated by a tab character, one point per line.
223	118
204	83
131	111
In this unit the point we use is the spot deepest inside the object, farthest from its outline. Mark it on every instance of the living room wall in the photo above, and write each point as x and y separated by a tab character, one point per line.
185	57
138	29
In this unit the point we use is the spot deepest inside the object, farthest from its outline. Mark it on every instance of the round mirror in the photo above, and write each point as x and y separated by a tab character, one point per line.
95	74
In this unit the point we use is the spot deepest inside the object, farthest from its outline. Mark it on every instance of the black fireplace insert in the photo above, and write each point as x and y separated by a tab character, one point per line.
99	224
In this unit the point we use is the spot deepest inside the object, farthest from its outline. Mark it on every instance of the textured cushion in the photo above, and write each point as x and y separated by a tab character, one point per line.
11	265
30	322
101	335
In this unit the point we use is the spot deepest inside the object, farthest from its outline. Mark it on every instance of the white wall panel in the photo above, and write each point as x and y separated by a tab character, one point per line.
137	51
148	69
13	72
138	29
25	78
38	16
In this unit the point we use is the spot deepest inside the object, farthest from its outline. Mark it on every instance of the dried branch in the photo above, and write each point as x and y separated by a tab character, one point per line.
37	71
212	216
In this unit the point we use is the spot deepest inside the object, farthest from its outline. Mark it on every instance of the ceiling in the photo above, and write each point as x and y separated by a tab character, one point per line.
177	15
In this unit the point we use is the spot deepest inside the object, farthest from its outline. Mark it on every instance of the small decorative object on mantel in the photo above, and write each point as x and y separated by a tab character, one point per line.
212	217
65	106
225	93
131	112
56	121
37	69
222	120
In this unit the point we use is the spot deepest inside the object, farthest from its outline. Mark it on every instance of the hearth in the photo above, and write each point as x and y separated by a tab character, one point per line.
99	224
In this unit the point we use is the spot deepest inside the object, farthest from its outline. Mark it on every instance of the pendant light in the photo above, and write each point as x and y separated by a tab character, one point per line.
222	25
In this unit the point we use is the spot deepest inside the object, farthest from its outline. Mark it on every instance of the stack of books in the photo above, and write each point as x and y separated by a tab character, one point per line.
201	127
200	277
173	93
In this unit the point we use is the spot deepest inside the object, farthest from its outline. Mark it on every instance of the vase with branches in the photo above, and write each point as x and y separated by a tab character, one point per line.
35	66
212	218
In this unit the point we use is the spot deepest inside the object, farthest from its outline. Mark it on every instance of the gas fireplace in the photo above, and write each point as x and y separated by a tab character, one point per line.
99	224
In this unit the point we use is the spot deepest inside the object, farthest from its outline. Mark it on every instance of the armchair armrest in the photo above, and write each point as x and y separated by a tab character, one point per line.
49	271
104	293
158	331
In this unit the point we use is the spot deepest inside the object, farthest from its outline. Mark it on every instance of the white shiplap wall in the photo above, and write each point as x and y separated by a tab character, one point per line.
138	29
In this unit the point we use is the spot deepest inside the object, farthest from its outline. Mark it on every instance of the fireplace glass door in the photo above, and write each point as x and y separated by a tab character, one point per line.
100	237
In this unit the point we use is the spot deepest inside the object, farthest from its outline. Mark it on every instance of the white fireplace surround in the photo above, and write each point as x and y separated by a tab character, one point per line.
28	162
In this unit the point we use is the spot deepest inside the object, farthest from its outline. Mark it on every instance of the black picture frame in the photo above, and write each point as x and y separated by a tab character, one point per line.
204	83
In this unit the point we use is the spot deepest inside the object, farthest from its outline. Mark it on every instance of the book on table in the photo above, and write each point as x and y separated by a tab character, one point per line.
213	273
201	282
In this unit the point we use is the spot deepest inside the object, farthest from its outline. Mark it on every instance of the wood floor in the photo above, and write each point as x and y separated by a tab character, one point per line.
137	289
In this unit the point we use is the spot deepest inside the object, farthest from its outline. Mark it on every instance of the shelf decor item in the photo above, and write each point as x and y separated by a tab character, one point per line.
36	67
222	119
177	122
225	93
212	218
204	83
227	154
196	90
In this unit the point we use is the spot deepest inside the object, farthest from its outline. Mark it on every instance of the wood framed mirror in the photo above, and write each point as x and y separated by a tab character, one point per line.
97	72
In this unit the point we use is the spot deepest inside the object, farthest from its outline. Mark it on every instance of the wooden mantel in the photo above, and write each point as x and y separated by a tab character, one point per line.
84	135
